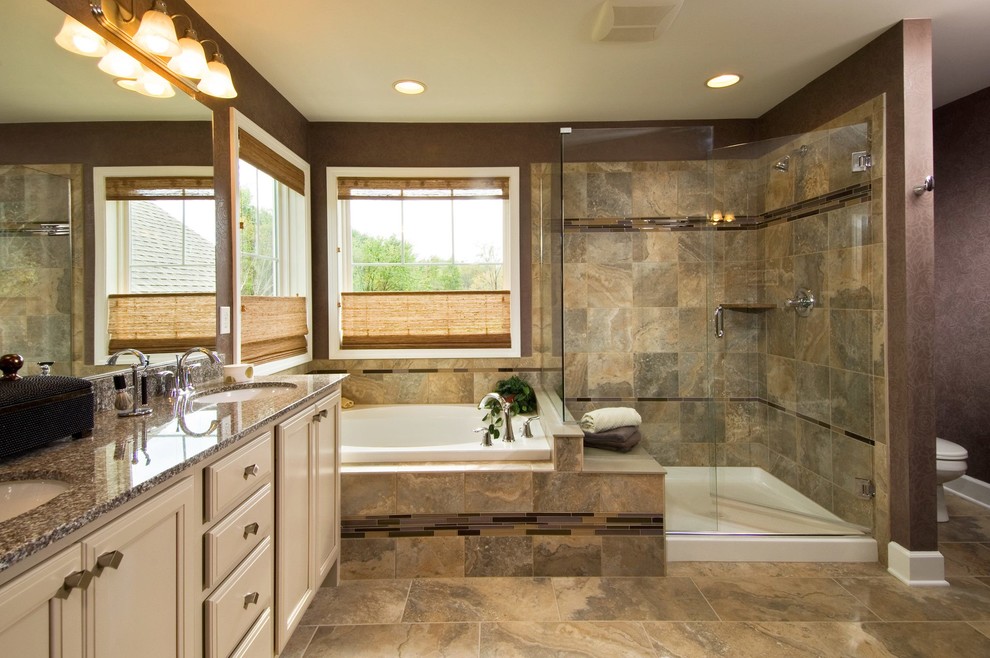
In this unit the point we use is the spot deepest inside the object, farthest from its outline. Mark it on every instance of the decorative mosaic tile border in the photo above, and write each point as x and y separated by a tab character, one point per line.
403	371
823	203
852	435
502	524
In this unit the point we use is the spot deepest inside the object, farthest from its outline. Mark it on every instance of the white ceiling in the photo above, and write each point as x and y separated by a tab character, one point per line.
534	60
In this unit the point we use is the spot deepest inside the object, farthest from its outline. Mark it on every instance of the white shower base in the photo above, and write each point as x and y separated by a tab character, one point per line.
755	517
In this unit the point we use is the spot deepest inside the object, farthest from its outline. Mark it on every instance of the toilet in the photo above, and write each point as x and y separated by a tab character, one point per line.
950	463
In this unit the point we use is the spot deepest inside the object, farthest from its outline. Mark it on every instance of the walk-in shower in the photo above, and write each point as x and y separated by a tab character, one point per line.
770	428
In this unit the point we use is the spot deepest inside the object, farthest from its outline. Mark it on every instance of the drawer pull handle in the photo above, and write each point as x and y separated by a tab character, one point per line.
109	560
317	418
76	580
253	469
251	529
323	413
250	599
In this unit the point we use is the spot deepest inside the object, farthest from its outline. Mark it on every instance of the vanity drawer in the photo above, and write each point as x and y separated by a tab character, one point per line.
237	534
237	474
259	640
239	601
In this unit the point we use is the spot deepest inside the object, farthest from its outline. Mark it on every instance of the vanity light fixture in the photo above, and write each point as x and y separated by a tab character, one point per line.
119	64
156	33
79	39
723	80
216	81
155	39
191	60
409	87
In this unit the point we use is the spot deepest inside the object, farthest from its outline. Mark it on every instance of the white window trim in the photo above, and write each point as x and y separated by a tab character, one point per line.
101	233
336	240
301	271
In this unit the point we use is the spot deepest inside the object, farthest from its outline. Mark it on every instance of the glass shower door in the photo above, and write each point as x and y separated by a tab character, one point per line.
637	266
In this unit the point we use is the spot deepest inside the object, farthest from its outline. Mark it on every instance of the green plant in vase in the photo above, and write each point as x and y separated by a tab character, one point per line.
519	395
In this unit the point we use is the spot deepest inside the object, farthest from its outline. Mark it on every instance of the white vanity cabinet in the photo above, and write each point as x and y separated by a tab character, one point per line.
129	584
41	611
307	457
143	592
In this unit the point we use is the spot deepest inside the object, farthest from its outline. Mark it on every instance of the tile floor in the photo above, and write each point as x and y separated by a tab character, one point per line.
698	609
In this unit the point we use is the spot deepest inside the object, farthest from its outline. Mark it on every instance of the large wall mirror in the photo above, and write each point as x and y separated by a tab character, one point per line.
66	246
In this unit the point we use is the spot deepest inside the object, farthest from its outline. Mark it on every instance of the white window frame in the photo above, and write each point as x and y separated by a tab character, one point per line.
107	268
297	270
339	246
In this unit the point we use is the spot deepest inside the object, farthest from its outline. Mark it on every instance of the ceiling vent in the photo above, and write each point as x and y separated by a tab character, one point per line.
634	20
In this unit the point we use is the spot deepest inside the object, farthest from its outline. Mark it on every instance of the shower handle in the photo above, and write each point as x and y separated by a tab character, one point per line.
803	302
719	322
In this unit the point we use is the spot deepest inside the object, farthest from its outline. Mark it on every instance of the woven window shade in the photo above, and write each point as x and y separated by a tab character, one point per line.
252	151
162	322
153	188
272	328
406	188
459	318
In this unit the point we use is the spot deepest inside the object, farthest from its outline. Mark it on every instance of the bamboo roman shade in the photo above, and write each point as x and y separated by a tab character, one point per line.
453	318
422	188
272	328
252	151
155	188
171	322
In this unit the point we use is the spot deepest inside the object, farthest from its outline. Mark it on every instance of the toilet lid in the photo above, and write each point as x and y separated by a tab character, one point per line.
948	450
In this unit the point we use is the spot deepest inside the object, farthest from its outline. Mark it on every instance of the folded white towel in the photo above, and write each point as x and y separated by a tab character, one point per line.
608	418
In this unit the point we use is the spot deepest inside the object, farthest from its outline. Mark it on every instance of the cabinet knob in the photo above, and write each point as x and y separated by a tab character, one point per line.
251	529
317	418
323	413
75	580
250	599
109	560
253	469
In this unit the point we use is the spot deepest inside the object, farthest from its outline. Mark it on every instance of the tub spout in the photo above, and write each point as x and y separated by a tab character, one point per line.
504	406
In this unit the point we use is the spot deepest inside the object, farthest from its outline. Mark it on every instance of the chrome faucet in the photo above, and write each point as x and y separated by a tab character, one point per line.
182	384
504	406
136	410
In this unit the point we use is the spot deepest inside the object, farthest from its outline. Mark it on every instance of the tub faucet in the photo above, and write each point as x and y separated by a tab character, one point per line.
182	385
504	406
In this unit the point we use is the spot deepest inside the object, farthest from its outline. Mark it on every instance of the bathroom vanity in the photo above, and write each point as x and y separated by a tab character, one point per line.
205	533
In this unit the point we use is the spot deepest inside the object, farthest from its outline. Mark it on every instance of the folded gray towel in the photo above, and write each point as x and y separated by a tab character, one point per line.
621	439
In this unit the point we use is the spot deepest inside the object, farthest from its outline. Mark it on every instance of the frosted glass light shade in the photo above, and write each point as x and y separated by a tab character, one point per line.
150	84
191	62
217	81
79	39
156	34
119	64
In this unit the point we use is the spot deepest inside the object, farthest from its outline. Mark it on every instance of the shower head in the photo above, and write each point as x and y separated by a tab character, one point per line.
783	164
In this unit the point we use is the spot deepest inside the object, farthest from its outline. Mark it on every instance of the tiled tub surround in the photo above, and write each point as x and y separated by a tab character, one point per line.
802	398
127	458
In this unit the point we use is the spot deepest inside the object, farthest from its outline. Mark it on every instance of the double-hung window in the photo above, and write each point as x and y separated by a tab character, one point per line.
428	262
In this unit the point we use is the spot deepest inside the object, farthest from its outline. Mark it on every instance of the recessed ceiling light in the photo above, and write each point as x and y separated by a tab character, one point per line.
411	87
724	80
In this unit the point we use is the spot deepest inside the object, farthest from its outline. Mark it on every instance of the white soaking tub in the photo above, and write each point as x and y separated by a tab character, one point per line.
403	433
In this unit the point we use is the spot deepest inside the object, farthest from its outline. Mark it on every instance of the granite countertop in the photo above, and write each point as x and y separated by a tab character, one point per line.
128	457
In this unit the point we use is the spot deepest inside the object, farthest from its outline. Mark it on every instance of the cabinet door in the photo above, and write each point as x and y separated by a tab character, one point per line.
295	516
142	600
327	431
41	612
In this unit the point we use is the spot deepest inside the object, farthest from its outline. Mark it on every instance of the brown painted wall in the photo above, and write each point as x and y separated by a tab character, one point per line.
962	269
897	64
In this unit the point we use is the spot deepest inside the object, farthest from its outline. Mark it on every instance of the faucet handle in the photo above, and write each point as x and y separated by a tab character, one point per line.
486	437
527	431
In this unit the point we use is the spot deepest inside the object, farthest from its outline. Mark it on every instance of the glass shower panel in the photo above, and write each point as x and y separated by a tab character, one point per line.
637	264
36	264
795	379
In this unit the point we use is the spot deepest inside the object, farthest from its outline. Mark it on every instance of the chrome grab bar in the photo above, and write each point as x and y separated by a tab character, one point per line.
803	302
719	322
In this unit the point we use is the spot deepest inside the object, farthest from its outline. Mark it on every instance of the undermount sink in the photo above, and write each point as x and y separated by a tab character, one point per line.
19	496
241	393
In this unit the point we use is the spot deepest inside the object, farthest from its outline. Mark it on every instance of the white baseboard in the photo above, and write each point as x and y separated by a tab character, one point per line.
917	568
734	548
973	490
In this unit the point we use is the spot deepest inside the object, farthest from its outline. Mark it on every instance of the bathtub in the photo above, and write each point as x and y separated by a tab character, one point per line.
431	433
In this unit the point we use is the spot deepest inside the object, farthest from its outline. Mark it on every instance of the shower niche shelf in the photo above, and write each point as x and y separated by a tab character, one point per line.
748	306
